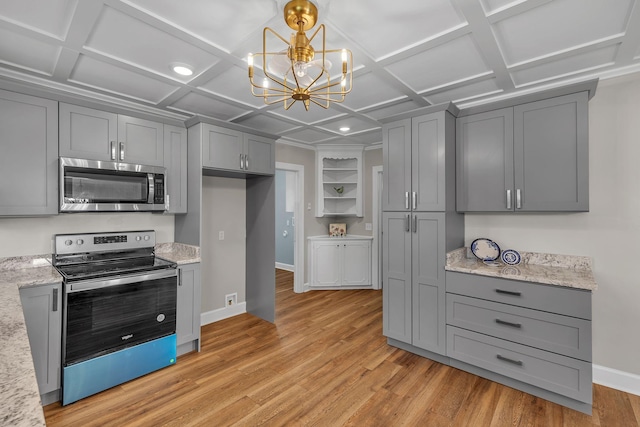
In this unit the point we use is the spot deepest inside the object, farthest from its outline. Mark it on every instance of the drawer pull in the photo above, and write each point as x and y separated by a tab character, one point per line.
506	359
505	323
500	291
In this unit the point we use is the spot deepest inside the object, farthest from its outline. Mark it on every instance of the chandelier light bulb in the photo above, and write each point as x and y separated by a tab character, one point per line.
300	68
265	83
250	60
344	55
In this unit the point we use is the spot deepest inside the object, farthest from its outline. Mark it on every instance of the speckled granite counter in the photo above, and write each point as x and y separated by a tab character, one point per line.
18	387
560	270
178	252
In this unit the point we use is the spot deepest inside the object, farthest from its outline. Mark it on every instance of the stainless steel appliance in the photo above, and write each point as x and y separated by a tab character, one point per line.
119	310
99	186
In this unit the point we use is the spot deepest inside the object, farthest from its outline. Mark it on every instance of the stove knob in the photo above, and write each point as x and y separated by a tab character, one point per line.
146	237
138	238
68	242
80	241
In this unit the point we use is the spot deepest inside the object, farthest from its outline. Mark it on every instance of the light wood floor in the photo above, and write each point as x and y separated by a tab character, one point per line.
325	363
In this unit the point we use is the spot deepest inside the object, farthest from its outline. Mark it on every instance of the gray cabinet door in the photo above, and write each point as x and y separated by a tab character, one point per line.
260	155
396	273
428	162
188	303
222	148
484	151
42	307
175	161
86	133
396	152
140	141
29	164
551	154
429	299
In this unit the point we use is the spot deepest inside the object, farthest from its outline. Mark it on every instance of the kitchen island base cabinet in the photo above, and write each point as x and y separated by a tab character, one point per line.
188	308
42	307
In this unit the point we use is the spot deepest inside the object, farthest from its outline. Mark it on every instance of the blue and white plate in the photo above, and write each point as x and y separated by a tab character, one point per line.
511	257
485	249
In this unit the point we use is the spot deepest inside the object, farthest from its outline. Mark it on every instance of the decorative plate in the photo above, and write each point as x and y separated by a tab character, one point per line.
485	249
511	257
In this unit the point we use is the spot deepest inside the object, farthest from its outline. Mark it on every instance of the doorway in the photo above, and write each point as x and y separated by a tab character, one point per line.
294	213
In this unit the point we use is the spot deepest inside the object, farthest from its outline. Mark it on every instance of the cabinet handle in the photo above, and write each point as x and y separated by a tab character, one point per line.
515	294
509	199
179	277
406	200
167	204
122	151
113	150
408	223
518	199
506	359
55	300
414	200
505	323
241	161
415	223
246	161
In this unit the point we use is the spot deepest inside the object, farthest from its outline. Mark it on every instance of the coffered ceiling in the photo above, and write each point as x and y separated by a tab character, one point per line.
407	54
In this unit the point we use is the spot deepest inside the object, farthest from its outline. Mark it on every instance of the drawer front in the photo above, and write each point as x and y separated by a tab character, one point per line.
554	299
559	374
564	335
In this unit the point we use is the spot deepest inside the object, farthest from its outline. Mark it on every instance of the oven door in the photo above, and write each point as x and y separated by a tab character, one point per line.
102	316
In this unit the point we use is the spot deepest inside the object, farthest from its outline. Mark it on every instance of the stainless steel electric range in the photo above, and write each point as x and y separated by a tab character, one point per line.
119	310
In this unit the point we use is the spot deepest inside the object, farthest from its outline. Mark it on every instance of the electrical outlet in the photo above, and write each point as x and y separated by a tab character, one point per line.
231	299
368	226
221	235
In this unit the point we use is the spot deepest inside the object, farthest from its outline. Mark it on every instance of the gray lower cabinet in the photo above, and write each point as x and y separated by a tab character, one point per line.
87	133
532	336
188	306
531	157
413	279
42	307
229	149
29	164
175	161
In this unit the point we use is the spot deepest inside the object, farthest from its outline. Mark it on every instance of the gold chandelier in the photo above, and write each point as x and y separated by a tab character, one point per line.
292	74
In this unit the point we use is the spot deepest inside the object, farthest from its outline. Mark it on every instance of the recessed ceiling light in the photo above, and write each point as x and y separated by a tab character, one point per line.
182	69
345	129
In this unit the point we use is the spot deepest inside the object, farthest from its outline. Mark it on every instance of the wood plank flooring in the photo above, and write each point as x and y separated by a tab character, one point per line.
323	363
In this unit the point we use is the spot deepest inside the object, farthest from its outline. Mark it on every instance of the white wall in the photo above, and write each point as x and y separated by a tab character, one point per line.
223	261
33	236
609	232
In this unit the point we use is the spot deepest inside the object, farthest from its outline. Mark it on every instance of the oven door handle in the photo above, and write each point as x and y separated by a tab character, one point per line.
88	285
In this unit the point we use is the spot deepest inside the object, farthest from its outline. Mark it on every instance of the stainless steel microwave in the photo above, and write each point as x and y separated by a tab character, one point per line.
99	186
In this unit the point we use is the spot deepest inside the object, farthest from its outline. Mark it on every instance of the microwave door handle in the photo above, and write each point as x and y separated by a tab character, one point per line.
152	188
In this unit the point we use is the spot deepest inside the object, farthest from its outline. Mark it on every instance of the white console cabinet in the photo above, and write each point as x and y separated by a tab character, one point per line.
340	262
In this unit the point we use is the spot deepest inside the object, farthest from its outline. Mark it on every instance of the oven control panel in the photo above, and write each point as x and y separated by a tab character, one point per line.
65	244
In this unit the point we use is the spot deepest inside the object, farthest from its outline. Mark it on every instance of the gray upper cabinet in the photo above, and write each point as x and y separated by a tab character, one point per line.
175	161
42	307
414	152
531	157
29	165
87	133
232	150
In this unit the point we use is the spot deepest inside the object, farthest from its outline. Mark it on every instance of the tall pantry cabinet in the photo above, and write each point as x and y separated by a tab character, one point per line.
420	225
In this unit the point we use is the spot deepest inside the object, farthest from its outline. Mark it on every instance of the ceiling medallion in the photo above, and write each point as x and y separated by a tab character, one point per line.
291	73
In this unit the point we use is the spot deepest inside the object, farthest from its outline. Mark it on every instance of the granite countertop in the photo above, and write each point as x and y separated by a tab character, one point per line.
178	252
19	393
560	270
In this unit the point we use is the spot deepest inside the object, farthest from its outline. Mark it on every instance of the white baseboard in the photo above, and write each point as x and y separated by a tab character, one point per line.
287	267
222	313
620	380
